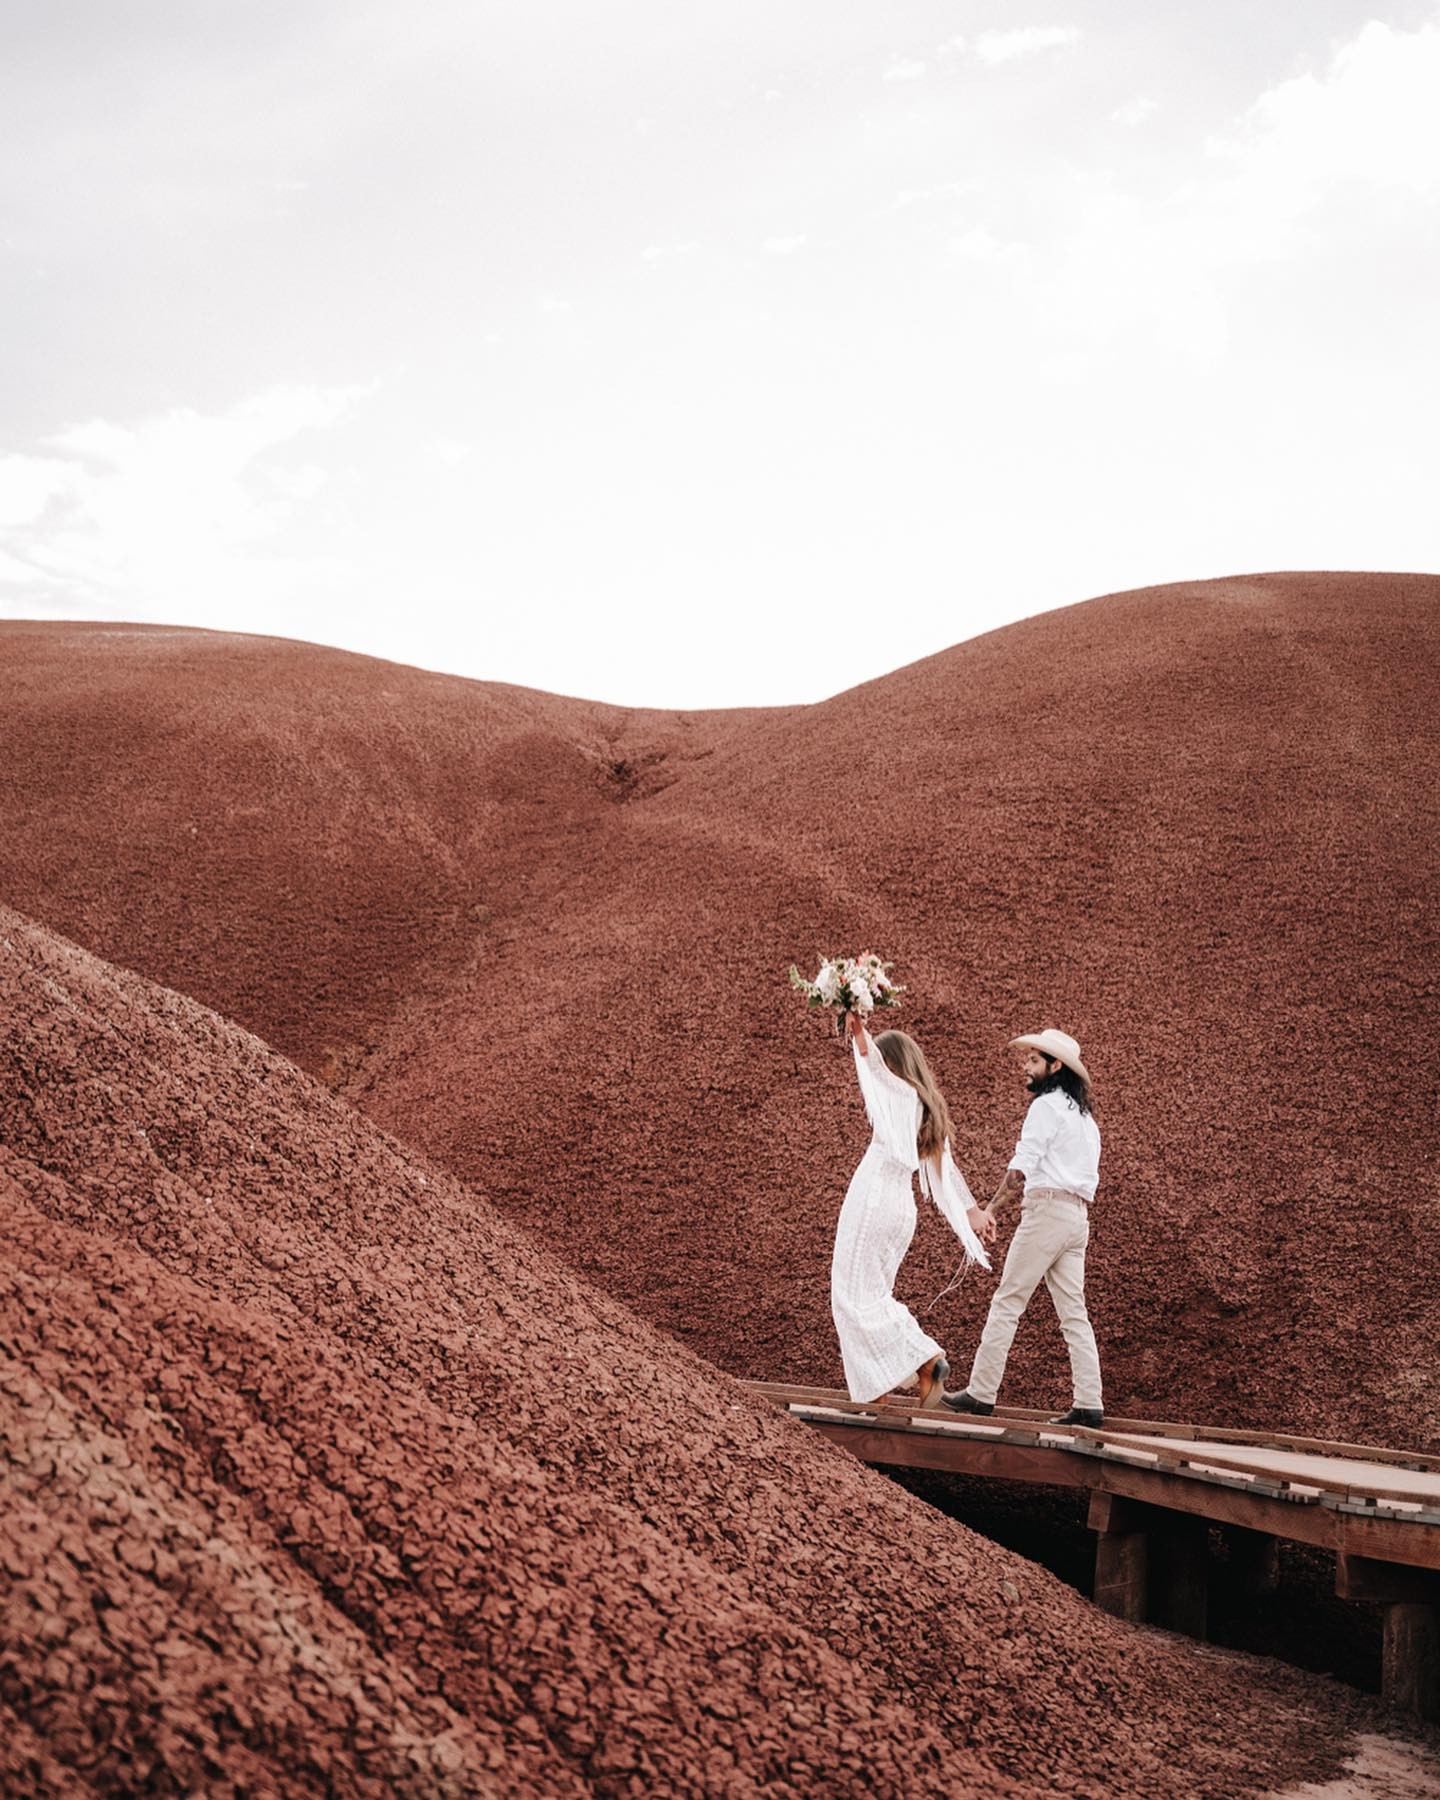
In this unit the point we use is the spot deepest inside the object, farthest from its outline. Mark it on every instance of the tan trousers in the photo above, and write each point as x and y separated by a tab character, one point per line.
1049	1246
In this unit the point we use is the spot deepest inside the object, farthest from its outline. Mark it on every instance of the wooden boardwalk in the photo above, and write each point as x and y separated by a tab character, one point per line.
1156	1490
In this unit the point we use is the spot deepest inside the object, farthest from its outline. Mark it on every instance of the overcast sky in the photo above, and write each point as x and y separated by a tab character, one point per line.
715	353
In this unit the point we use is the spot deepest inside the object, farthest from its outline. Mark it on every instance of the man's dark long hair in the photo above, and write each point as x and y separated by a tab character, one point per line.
1069	1083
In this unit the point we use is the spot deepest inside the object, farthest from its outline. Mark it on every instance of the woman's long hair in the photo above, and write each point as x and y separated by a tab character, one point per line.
904	1057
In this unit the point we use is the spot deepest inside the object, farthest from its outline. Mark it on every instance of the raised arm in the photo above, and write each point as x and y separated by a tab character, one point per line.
892	1105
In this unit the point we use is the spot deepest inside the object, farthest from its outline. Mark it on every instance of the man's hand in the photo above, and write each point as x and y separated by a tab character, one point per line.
983	1221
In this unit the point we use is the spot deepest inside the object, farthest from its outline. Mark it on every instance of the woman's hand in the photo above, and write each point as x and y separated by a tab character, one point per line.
855	1031
983	1221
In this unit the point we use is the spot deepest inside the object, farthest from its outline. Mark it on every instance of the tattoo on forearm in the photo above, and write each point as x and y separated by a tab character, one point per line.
1014	1183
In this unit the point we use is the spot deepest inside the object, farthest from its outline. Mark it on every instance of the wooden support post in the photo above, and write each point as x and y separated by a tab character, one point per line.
1151	1563
1254	1560
1410	1647
1410	1660
1122	1558
1180	1574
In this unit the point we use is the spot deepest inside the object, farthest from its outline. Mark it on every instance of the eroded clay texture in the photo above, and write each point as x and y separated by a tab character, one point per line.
321	1477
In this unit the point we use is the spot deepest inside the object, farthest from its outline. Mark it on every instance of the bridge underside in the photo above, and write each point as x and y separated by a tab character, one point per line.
1156	1490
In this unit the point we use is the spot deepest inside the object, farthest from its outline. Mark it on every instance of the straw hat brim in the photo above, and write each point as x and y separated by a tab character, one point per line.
1048	1046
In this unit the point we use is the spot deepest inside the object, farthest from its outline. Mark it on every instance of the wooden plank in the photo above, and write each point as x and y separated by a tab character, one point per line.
1408	1459
1387	1540
894	1414
1393	1540
784	1393
956	1454
899	1409
955	1431
1354	1486
1273	1440
1384	1583
1384	1509
1221	1505
1204	1473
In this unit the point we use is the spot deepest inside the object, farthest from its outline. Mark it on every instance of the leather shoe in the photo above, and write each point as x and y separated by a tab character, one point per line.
1081	1415
965	1402
931	1379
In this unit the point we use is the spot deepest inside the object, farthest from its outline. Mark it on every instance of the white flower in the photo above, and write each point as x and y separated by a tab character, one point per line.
855	983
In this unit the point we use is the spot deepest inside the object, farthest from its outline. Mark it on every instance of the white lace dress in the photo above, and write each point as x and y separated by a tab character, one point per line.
880	1342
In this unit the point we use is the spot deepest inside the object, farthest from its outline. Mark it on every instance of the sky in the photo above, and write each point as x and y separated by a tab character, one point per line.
706	355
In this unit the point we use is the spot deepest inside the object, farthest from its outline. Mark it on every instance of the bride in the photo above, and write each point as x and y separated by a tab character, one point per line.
880	1342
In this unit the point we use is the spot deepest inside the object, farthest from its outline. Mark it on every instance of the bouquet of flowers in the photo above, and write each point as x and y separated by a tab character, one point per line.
855	984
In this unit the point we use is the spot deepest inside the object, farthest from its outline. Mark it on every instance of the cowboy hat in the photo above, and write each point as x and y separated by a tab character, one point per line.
1059	1046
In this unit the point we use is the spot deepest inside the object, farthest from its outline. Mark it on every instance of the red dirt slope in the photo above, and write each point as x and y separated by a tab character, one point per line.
545	941
319	1478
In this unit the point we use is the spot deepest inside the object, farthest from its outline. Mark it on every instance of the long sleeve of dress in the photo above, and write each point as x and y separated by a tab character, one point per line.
952	1195
893	1107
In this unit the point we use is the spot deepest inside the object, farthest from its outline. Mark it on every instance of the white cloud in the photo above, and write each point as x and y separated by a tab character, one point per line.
1176	341
166	508
1135	112
14	573
1371	117
980	245
1026	40
303	483
940	190
28	484
1322	183
905	69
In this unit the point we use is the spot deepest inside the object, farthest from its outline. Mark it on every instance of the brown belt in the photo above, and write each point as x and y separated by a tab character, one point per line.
1055	1194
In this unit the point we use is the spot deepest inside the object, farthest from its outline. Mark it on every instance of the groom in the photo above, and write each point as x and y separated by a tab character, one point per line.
1056	1166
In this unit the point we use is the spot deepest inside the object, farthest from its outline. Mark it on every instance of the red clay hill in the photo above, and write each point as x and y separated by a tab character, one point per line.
320	1477
544	941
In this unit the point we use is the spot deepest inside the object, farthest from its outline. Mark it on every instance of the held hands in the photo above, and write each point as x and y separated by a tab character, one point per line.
983	1221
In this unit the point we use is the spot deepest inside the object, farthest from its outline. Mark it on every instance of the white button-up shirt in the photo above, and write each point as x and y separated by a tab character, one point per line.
1059	1146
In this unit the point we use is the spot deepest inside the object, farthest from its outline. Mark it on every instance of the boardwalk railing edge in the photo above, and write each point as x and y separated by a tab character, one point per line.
1026	1419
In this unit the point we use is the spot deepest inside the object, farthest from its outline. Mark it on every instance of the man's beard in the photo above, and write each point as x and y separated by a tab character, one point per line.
1042	1084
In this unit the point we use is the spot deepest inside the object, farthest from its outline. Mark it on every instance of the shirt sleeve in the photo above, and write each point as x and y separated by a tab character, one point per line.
953	1197
892	1105
1041	1124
